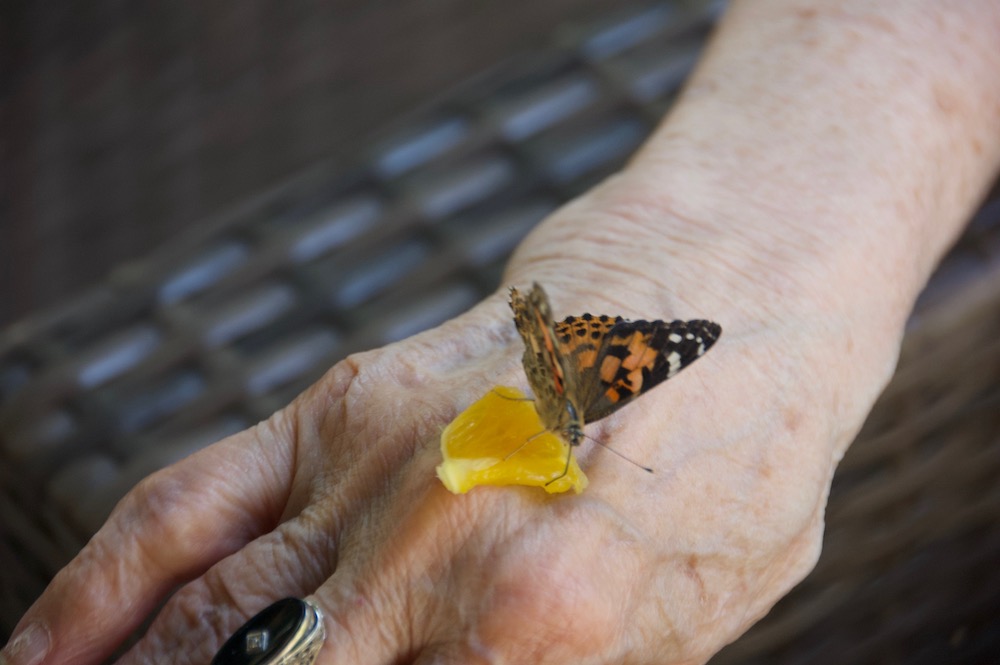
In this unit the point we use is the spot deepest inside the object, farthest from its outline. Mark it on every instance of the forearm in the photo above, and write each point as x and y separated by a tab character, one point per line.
848	138
856	135
822	158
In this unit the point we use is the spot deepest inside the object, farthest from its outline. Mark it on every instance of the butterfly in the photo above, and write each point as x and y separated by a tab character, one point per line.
584	368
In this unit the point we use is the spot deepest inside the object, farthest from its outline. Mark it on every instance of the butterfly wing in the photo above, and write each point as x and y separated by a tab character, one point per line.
544	362
599	363
580	339
634	356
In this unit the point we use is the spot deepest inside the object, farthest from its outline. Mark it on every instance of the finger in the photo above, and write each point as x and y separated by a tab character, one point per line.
169	529
475	578
393	587
293	560
302	553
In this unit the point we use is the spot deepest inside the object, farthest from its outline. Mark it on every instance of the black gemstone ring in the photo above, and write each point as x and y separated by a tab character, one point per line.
289	632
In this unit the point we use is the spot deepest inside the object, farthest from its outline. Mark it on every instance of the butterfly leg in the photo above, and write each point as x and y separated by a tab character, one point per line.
513	399
569	456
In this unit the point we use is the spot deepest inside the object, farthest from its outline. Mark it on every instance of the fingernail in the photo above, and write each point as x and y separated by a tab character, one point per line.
27	648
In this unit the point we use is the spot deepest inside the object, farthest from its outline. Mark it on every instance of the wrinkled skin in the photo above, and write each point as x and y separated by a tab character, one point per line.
335	498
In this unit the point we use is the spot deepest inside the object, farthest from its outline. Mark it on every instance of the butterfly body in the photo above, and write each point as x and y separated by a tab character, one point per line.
584	368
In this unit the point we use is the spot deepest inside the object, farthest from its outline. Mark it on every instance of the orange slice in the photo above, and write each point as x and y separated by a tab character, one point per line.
499	440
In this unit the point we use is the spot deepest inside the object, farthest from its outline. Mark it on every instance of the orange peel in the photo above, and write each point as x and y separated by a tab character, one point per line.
499	440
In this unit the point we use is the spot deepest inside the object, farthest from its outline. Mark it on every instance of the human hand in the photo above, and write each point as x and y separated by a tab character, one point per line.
808	261
335	496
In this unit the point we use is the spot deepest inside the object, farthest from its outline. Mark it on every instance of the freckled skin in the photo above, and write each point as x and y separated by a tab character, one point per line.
794	249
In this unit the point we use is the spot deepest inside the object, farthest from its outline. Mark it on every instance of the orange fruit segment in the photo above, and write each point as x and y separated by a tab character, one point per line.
499	440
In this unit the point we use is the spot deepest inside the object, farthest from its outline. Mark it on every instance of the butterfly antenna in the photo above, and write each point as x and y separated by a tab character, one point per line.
521	447
620	454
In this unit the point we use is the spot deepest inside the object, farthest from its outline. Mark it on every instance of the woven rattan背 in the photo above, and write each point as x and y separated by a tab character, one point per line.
221	328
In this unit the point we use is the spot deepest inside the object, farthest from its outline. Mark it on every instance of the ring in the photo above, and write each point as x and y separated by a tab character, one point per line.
288	632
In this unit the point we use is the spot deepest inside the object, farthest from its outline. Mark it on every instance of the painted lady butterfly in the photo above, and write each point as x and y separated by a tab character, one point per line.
587	367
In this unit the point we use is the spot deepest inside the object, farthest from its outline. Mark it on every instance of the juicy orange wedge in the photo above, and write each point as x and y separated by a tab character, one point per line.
499	440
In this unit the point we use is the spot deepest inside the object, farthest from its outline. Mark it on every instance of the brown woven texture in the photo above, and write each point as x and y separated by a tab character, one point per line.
124	124
227	324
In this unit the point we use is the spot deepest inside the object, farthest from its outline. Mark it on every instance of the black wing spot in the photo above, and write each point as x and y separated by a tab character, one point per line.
619	351
595	335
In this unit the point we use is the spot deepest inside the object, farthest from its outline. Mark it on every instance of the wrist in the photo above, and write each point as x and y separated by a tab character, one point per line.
800	197
855	141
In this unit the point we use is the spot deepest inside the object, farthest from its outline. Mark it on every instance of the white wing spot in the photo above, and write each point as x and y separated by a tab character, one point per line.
689	336
675	338
674	361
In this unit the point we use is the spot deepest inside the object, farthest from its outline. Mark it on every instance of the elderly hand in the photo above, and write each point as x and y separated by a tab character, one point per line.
749	208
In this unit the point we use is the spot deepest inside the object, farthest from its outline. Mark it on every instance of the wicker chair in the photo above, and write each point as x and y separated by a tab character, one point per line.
219	329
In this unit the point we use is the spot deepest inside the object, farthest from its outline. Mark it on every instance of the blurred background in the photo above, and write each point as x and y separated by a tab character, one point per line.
205	205
125	123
